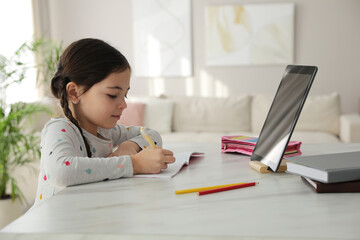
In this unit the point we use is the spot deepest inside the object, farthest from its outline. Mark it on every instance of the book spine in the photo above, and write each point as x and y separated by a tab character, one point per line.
343	175
339	187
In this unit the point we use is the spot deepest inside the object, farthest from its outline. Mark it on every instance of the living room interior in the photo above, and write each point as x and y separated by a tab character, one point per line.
321	34
210	99
325	35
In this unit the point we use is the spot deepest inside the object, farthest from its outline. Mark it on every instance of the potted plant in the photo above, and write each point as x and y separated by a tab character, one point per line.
18	146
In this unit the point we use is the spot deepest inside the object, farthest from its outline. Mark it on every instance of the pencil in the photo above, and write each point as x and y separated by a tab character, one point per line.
226	188
147	137
191	190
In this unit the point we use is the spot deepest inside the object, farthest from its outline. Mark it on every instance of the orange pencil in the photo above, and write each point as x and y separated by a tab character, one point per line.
226	188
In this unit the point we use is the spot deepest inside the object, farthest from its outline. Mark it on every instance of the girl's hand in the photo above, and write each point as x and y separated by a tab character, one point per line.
126	148
152	160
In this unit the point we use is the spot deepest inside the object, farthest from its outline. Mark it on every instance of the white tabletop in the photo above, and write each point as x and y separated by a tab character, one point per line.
280	206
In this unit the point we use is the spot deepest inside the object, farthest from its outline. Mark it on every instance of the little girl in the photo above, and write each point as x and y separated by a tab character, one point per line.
92	81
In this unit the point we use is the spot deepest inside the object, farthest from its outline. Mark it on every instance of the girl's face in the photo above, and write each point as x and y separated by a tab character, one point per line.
103	104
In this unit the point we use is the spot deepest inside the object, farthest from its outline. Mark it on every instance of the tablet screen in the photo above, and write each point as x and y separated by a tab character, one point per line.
283	114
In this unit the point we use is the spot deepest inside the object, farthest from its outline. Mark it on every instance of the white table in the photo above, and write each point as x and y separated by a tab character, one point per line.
280	206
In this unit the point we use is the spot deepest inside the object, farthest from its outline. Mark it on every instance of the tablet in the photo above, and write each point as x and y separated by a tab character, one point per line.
283	115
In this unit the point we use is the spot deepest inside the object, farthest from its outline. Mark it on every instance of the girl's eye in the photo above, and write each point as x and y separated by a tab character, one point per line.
112	96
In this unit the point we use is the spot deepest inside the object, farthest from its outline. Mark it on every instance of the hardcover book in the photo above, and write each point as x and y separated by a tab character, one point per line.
327	168
343	187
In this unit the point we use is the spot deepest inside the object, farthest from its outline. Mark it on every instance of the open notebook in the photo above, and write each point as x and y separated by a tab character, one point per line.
182	159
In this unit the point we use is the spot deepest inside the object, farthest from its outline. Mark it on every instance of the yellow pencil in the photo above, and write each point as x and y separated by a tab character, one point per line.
205	188
147	137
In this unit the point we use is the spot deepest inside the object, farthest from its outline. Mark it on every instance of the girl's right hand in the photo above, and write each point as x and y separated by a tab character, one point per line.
152	160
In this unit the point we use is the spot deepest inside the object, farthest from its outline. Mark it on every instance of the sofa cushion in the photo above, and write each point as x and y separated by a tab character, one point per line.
311	137
320	113
133	115
201	114
260	106
157	113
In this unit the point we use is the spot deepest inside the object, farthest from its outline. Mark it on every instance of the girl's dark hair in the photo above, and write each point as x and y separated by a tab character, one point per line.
85	62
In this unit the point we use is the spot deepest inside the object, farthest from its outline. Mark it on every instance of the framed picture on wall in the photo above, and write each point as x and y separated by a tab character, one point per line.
162	38
250	34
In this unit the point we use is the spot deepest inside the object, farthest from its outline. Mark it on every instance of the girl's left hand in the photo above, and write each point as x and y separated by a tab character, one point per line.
126	148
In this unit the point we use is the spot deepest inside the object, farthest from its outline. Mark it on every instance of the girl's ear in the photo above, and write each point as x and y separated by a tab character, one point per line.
73	92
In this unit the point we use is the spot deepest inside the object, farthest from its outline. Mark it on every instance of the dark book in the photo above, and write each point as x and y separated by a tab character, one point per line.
327	168
343	187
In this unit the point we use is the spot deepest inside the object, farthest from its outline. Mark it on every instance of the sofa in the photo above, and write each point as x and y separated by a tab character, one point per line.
205	119
201	119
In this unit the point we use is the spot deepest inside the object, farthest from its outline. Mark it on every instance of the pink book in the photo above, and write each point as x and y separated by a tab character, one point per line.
245	145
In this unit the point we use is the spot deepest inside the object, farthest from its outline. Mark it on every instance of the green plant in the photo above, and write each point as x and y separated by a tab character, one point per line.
18	147
47	54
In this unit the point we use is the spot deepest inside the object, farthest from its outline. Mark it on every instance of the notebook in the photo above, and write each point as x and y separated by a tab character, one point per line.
182	159
327	168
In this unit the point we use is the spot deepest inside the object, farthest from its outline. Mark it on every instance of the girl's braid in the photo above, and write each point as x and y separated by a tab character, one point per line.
65	106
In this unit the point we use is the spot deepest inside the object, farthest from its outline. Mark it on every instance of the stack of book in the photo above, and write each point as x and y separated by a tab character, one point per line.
337	172
245	145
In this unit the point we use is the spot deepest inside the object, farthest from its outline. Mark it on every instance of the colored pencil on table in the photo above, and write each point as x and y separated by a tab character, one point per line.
226	188
191	190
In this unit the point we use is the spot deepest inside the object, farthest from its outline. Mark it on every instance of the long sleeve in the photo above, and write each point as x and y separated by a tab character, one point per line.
122	133
65	159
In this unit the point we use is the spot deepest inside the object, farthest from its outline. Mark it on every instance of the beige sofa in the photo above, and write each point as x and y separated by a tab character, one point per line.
198	119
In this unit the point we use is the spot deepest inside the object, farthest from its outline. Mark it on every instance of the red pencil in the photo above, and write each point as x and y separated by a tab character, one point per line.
227	188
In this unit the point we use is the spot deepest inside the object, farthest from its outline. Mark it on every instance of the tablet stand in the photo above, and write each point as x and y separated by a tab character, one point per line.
262	168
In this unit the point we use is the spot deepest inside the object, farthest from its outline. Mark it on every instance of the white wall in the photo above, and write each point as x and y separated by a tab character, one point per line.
327	34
